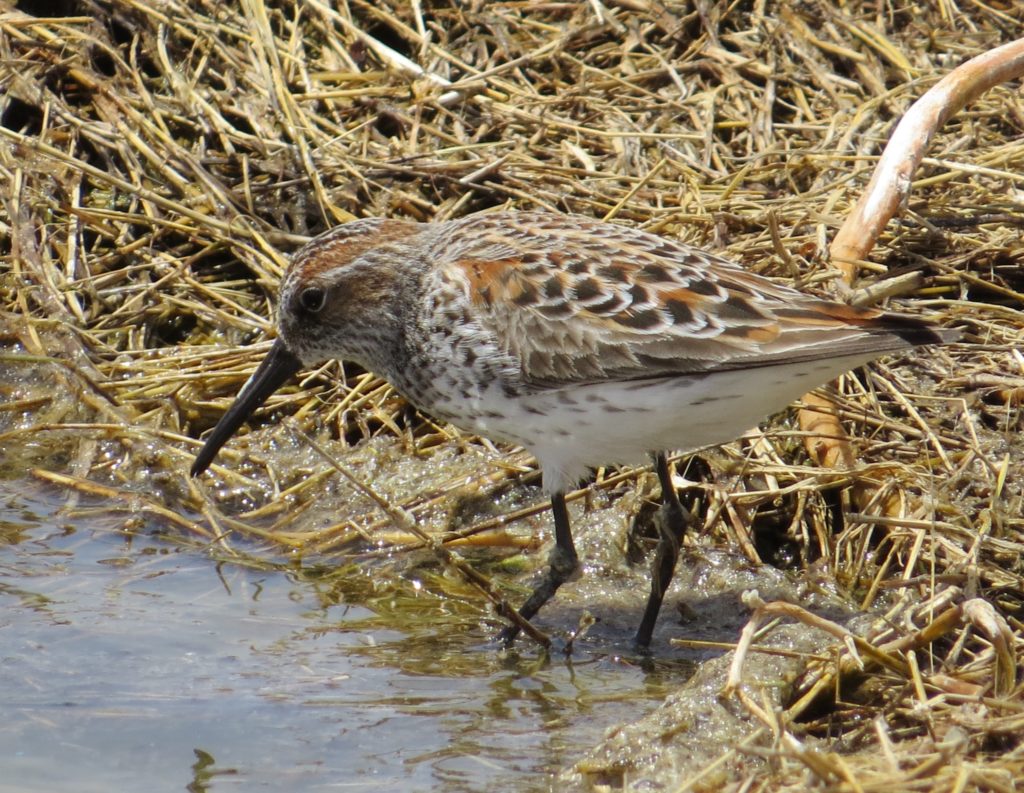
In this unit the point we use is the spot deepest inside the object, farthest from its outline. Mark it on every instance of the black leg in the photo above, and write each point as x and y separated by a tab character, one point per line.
671	527
562	563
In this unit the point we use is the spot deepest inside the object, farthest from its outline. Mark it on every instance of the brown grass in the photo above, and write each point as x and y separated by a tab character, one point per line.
159	161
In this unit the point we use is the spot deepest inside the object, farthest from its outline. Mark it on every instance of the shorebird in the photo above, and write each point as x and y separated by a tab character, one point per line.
585	342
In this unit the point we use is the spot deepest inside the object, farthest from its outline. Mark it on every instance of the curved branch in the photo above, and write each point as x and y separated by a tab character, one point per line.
890	183
887	190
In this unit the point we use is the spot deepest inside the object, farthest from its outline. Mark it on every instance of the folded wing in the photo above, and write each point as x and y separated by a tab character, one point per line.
590	302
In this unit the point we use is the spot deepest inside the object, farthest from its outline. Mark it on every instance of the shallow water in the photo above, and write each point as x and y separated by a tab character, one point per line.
129	663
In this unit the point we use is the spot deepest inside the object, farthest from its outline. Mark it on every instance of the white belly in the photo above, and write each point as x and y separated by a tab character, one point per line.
574	428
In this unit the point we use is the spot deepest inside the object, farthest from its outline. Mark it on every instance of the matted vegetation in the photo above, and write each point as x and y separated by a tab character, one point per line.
158	161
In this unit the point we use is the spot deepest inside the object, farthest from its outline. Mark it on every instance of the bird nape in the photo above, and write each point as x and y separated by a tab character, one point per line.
588	343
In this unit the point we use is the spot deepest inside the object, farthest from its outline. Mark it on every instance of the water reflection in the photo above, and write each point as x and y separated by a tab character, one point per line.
128	662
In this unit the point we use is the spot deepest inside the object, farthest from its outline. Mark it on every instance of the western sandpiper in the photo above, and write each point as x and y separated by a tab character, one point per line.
588	343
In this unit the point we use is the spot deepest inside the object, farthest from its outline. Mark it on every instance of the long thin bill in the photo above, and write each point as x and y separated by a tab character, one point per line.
277	367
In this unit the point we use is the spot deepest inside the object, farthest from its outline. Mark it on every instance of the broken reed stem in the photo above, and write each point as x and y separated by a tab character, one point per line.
448	558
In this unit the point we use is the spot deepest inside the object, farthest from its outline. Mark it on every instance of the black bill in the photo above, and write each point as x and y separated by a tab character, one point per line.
277	367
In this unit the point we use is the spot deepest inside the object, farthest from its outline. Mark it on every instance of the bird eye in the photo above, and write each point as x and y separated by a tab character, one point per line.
312	298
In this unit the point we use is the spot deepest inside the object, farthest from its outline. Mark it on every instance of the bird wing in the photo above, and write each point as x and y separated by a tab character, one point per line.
577	301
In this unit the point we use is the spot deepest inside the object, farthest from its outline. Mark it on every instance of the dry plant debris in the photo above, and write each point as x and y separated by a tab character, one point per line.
158	161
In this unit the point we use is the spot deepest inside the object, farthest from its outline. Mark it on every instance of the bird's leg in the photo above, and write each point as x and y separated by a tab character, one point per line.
671	527
562	563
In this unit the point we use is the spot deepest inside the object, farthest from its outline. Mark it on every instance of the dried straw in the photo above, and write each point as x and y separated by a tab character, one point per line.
159	161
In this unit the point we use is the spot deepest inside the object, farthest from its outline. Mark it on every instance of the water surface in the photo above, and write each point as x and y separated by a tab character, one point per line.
131	663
